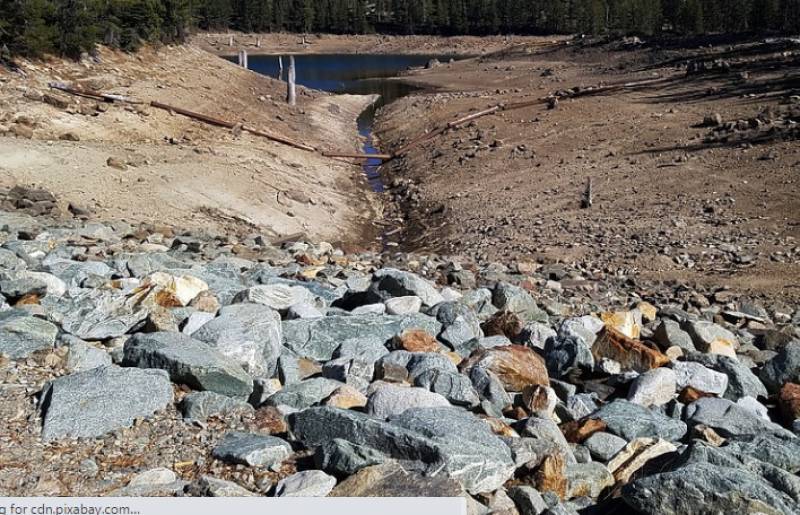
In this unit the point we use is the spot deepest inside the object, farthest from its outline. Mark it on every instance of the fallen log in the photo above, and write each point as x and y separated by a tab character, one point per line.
279	139
474	116
517	105
418	140
230	125
103	97
191	114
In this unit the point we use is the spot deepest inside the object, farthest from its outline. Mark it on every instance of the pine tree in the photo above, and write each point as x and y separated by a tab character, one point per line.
690	17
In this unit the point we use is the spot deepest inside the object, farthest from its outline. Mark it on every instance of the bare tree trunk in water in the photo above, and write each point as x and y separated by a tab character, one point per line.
291	96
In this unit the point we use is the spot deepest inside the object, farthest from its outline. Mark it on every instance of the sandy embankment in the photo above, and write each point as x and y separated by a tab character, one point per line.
178	171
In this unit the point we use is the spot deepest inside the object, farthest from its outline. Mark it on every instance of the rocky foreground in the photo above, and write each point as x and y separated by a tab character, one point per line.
137	360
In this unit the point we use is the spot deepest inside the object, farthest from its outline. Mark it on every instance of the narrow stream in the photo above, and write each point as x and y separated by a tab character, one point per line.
364	74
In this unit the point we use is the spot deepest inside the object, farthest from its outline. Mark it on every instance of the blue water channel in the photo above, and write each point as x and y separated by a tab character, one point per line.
357	74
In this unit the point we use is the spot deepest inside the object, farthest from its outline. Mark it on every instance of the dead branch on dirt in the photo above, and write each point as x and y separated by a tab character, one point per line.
587	201
501	107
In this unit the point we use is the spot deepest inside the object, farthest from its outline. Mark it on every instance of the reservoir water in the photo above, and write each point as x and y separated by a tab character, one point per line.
358	74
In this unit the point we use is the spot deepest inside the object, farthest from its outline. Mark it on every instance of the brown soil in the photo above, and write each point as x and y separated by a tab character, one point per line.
178	171
666	205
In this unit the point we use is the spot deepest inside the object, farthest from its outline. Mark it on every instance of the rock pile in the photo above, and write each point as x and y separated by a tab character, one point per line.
768	125
303	371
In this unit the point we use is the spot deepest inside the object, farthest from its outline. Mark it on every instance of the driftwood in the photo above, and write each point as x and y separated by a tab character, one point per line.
549	100
103	97
230	125
474	116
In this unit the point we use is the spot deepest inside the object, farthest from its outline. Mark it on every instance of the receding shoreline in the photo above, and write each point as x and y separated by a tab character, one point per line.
283	43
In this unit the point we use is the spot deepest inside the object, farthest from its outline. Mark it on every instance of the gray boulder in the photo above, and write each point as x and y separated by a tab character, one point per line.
669	334
352	371
433	441
581	405
490	390
704	333
421	362
705	488
480	301
567	355
741	380
403	305
22	334
201	405
783	453
587	480
305	393
308	483
392	480
208	486
548	431
527	499
276	296
518	301
731	420
631	421
303	310
460	325
387	400
99	314
92	403
604	446
188	361
318	338
10	261
583	328
344	458
82	356
699	377
251	449
455	387
76	272
389	282
364	349
780	479
195	321
655	387
536	334
13	289
783	368
250	334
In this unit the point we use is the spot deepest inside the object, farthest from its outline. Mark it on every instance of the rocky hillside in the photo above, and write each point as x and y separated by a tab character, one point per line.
144	360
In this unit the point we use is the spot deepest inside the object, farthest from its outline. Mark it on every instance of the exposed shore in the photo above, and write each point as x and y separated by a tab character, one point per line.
174	170
281	43
668	205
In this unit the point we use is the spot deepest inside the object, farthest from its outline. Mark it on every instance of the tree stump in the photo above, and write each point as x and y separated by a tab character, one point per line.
291	95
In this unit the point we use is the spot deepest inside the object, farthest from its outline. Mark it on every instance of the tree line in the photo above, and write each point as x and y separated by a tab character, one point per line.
483	17
69	27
